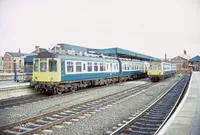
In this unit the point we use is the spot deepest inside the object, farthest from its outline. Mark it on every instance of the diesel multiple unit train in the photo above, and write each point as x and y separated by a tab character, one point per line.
160	70
57	73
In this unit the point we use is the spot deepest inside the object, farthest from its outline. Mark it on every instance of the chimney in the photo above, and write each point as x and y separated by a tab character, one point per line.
185	52
165	57
37	50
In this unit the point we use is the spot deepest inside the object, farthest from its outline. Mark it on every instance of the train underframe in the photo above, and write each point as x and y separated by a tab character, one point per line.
157	78
72	86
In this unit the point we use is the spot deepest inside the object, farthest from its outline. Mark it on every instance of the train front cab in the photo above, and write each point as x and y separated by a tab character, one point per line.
155	71
46	70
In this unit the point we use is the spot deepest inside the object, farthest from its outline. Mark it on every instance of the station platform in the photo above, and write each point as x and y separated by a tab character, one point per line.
186	119
12	84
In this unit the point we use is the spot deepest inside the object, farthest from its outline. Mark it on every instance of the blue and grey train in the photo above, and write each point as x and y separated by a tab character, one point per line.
56	73
160	70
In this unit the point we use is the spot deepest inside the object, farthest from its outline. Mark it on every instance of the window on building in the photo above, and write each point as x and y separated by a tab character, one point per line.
89	66
95	66
78	66
36	65
43	66
70	67
52	65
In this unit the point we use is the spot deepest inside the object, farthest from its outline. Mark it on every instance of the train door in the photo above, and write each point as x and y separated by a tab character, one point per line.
84	66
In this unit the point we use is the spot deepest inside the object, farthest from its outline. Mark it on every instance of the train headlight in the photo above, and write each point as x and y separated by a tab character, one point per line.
51	78
36	78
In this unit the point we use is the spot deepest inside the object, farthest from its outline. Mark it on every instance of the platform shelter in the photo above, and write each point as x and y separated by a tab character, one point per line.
122	53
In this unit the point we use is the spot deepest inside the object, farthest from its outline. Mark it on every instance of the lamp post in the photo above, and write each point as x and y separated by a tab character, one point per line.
15	71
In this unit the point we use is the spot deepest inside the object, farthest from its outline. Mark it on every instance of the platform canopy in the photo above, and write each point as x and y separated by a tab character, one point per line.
195	59
122	53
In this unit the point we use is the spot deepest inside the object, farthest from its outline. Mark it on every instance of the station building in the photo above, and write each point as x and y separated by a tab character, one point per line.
195	62
182	62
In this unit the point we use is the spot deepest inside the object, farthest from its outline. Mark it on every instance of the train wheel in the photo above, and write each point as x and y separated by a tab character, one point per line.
72	89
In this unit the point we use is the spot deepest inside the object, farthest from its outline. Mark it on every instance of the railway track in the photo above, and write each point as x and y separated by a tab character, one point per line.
15	101
45	121
152	119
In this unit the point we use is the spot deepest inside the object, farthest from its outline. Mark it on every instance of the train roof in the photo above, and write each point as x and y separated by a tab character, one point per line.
29	58
118	52
72	57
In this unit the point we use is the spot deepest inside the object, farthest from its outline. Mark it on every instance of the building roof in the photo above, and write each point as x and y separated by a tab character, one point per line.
72	47
118	52
41	50
185	56
195	59
14	54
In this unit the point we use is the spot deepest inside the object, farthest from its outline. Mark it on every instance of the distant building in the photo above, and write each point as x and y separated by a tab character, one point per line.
1	63
181	61
8	61
69	49
38	49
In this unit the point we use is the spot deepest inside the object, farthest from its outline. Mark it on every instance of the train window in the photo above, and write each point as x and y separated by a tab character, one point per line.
52	65
102	66
78	67
84	67
150	67
43	66
95	66
140	67
111	68
117	67
132	68
70	67
125	67
159	67
36	65
89	66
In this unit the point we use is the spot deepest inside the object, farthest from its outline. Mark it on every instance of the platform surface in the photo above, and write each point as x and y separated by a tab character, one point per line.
8	84
186	119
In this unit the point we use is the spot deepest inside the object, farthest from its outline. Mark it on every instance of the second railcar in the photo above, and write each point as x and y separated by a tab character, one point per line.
160	70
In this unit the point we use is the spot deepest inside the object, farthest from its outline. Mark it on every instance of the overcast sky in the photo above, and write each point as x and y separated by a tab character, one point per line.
151	27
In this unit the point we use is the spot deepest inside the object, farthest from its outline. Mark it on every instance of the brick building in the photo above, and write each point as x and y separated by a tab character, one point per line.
8	62
181	61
